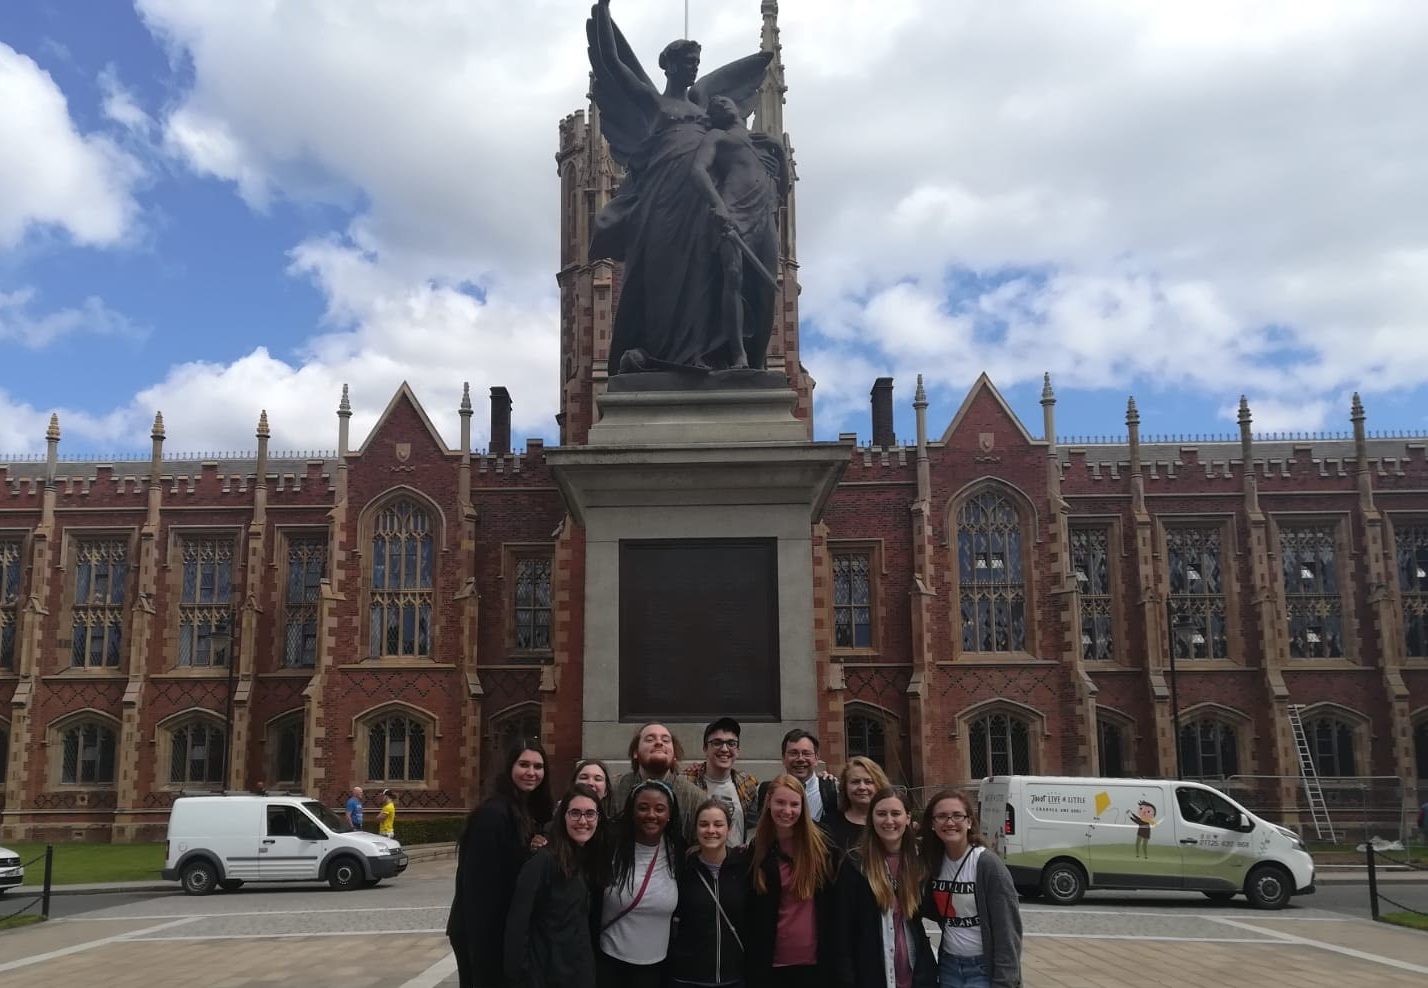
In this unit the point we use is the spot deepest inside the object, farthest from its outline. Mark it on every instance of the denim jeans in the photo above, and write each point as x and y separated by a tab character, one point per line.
961	972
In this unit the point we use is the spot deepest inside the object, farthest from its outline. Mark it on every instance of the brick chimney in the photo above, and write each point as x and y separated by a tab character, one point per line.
883	412
500	421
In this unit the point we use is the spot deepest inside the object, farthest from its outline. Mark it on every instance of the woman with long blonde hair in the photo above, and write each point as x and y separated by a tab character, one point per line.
860	779
879	901
792	939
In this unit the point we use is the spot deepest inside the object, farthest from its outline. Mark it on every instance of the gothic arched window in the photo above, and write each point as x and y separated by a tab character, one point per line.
87	757
285	749
9	602
396	749
196	753
1209	749
4	749
509	728
999	744
1113	747
866	735
1331	745
989	574
401	580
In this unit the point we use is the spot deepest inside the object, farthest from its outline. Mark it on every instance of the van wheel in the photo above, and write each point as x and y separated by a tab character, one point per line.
231	884
344	874
199	878
1063	882
1269	887
1219	898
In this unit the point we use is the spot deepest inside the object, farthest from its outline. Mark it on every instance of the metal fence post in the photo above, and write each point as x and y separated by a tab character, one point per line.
49	875
1372	880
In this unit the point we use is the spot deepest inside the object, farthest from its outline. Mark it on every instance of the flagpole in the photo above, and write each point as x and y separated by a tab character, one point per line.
686	20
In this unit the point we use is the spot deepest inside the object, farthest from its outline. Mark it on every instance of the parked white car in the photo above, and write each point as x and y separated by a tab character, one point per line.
11	871
223	841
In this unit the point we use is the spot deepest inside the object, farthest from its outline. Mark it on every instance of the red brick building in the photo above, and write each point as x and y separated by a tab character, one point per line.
984	600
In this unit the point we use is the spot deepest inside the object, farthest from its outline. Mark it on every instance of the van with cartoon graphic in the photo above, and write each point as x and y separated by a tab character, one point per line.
1062	836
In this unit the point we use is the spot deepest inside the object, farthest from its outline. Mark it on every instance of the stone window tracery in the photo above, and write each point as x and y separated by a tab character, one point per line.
991	583
307	566
1091	568
999	744
87	755
9	602
206	601
1197	593
532	604
286	738
1311	592
1331	746
400	608
1113	747
1411	543
196	753
1209	749
101	570
396	749
866	735
852	600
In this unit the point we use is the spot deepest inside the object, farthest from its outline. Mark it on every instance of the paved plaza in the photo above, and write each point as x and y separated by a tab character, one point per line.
392	937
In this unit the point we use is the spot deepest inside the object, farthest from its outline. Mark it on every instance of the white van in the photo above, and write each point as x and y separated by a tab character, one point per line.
1062	836
224	841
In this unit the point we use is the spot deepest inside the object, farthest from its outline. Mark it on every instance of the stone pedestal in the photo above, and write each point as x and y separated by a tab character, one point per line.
705	496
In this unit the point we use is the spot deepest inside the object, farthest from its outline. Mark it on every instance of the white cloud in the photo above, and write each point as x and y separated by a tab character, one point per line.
51	175
91	317
120	104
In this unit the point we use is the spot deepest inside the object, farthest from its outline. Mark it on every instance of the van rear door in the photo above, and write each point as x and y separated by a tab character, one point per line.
994	811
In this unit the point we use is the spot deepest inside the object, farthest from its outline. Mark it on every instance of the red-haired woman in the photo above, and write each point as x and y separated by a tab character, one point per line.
970	892
879	900
792	923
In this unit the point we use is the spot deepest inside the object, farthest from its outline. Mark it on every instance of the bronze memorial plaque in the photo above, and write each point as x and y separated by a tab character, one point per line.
699	629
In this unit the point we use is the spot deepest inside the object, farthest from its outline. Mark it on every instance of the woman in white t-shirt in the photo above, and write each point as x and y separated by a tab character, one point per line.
971	896
638	904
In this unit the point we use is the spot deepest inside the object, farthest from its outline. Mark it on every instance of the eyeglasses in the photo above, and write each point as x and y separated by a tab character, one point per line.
950	818
582	814
731	743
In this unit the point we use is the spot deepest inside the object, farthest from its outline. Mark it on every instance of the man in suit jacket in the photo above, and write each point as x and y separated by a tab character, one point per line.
800	760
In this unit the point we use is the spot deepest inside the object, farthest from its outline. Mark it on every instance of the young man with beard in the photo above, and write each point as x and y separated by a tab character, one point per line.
717	776
655	754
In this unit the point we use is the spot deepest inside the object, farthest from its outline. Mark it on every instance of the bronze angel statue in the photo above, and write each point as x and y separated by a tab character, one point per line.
695	220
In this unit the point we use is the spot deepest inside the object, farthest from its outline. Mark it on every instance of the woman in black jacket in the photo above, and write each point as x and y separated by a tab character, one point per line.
708	947
549	942
489	855
792	928
879	903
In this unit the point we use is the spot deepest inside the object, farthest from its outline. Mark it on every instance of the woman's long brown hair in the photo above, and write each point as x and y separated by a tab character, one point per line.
811	867
932	848
907	892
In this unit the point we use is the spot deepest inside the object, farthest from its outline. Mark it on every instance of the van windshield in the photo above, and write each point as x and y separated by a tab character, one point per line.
329	819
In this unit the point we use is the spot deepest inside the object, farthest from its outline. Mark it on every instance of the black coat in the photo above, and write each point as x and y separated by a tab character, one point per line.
549	941
761	923
844	832
704	949
861	936
489	856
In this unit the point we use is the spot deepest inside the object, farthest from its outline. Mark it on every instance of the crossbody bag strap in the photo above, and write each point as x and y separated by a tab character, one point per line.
638	895
703	880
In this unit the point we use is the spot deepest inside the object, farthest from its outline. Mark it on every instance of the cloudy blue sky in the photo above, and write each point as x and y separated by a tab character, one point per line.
210	207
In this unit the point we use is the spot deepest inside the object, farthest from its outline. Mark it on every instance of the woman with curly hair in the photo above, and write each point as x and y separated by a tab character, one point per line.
638	903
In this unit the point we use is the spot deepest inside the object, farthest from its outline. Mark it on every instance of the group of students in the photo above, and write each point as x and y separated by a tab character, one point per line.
665	880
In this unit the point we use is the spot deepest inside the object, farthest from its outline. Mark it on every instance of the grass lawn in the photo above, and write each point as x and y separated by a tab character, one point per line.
1414	921
14	922
76	864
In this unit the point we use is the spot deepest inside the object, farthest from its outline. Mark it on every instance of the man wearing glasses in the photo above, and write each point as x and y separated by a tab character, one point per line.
717	776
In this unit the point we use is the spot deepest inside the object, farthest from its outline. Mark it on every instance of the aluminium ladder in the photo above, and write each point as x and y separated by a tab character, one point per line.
1318	809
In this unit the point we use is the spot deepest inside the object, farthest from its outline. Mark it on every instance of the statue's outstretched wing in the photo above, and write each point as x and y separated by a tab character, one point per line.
739	80
615	77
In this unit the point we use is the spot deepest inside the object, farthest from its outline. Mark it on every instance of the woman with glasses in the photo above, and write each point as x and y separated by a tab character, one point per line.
792	930
494	845
548	941
879	900
970	893
708	946
861	778
639	901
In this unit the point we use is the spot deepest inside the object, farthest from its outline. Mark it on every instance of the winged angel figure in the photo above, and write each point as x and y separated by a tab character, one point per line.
695	218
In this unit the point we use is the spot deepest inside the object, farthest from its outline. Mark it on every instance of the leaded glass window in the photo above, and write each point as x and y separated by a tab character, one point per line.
532	604
9	602
1331	746
852	600
88	755
286	738
396	750
989	567
1311	591
400	609
1197	594
1209	749
999	744
100	572
196	754
4	751
1412	557
307	566
206	601
867	736
1112	747
1091	567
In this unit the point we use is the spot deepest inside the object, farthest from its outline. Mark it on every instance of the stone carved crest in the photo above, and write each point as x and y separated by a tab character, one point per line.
987	441
404	452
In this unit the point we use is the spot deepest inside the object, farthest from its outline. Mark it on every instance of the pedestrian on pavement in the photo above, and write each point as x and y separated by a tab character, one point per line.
718	777
879	900
860	779
708	946
638	903
970	893
489	854
548	935
655	753
792	927
800	760
387	818
354	808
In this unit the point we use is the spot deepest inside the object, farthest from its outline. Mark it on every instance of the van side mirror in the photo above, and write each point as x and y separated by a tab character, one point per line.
1243	823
